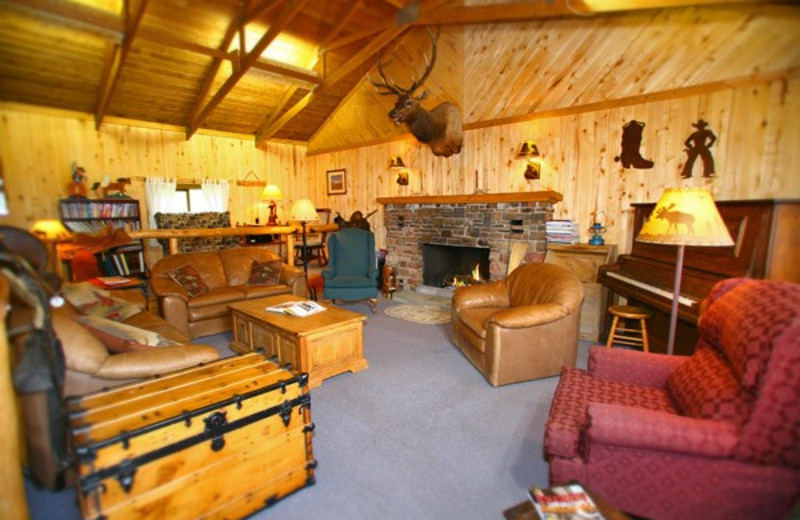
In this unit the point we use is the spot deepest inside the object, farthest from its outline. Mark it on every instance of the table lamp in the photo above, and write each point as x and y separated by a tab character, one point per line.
304	211
271	193
50	231
684	217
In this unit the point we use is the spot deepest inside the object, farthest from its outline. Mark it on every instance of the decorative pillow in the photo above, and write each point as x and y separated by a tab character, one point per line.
83	352
265	273
188	278
704	387
119	337
90	300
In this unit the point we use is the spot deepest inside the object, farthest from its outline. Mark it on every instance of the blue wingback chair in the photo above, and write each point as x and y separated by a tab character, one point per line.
352	273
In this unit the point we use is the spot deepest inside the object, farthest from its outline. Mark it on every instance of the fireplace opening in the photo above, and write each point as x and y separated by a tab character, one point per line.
444	266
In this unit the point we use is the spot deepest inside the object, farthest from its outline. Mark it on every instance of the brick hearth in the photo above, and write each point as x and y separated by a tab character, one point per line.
470	220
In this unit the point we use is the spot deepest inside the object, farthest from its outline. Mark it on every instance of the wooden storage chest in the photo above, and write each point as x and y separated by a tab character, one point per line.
221	440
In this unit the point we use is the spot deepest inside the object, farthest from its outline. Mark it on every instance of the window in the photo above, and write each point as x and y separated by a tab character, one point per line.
189	198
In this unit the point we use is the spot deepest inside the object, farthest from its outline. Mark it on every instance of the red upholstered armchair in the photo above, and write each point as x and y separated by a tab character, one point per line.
712	435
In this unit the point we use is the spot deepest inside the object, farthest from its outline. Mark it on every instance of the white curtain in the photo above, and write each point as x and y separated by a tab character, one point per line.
159	194
216	194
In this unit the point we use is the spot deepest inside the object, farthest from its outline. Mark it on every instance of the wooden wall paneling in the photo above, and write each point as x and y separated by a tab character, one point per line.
787	96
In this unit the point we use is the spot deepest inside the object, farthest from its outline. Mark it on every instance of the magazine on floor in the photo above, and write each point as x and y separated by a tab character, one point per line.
570	502
303	308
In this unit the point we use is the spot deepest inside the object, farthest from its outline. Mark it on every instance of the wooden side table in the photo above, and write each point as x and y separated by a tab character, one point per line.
584	260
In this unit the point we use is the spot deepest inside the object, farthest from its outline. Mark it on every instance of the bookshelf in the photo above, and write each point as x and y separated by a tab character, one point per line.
94	215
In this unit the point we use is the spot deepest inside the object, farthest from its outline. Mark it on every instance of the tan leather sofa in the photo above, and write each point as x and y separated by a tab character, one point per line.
89	364
521	328
226	273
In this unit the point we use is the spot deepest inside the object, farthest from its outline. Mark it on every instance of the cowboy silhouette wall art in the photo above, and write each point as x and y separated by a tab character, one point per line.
699	144
630	156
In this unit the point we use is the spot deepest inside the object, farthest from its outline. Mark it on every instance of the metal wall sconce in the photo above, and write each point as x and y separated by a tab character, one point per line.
528	150
398	165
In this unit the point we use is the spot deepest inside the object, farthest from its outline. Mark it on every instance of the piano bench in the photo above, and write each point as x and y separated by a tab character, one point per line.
621	334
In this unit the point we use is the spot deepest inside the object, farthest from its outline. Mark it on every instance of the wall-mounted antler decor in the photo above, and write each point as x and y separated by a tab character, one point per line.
440	128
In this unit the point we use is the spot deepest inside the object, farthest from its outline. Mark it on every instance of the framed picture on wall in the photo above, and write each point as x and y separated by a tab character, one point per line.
337	182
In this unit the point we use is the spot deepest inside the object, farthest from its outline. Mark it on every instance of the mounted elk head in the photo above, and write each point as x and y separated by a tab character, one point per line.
439	128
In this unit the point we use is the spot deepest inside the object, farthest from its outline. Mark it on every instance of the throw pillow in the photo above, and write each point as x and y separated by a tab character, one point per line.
83	352
187	277
119	337
265	273
90	300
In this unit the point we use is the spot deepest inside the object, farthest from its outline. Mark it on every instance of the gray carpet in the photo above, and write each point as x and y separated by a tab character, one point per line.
418	435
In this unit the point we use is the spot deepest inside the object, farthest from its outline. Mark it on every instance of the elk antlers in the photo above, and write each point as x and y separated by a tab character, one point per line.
392	88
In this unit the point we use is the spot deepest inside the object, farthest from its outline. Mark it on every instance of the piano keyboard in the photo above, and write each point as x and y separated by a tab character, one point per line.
683	300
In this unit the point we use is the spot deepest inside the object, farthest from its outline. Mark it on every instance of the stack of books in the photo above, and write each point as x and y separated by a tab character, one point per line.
562	232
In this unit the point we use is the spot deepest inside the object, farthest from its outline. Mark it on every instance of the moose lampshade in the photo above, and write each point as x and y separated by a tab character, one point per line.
684	217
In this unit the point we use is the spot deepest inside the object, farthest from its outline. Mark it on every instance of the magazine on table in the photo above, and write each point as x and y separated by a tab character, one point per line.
303	308
569	502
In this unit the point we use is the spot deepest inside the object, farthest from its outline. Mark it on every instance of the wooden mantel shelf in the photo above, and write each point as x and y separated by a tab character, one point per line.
477	198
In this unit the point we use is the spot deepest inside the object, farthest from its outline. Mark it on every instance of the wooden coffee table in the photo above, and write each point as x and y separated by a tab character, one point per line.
322	345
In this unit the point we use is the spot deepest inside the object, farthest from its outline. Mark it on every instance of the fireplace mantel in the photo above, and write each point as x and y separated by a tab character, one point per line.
477	198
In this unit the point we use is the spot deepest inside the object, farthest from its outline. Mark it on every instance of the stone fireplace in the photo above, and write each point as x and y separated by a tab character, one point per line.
493	221
444	266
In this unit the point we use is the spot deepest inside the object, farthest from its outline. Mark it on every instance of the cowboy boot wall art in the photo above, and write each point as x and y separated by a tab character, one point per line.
699	144
630	156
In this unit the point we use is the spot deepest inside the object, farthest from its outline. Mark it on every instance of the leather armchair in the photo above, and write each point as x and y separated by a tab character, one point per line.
352	272
521	328
713	435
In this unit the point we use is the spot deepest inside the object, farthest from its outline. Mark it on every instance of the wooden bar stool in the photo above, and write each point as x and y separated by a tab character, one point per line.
621	334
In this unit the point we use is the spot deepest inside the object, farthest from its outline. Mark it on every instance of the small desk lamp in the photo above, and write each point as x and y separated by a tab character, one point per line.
50	231
271	193
304	211
684	217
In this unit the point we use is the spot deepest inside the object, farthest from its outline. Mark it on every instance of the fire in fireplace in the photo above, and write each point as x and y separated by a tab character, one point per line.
444	266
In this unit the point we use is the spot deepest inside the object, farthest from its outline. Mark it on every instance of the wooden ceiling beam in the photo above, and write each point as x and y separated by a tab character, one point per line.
344	20
262	9
355	61
208	82
352	38
113	69
523	11
287	14
291	74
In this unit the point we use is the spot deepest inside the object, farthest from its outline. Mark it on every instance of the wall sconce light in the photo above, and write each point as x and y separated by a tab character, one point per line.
398	165
529	151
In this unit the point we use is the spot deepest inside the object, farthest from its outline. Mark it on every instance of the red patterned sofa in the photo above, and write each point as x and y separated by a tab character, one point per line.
715	435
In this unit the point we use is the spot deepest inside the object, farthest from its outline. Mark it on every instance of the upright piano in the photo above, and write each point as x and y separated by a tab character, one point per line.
766	235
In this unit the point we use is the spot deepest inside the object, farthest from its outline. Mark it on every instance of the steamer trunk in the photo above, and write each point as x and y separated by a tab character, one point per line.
221	440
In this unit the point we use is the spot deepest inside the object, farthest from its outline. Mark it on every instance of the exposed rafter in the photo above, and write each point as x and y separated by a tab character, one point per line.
133	17
291	10
521	11
356	61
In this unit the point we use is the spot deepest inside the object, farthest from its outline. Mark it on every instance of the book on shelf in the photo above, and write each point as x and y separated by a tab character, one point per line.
301	308
569	502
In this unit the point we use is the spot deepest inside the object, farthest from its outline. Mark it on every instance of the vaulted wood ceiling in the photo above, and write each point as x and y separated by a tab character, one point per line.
201	64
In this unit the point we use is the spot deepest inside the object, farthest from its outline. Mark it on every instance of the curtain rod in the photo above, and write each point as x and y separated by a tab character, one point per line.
179	180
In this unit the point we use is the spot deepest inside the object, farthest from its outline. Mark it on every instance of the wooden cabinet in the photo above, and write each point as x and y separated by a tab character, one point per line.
584	260
81	215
